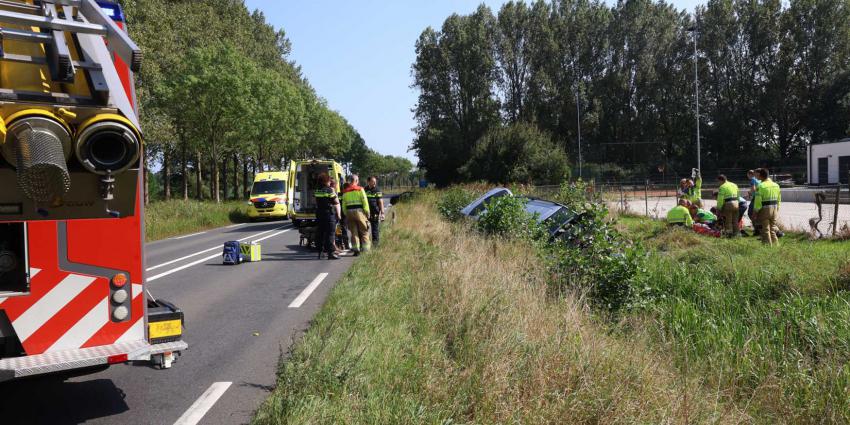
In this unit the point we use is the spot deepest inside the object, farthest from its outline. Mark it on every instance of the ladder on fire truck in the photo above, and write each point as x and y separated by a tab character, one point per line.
89	24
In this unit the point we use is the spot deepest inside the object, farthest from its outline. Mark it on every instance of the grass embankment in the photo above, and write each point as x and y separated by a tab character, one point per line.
170	218
442	325
767	327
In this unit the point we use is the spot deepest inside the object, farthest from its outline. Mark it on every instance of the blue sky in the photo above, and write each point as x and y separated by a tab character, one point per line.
357	54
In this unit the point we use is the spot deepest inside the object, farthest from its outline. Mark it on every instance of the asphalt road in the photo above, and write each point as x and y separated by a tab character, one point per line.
238	322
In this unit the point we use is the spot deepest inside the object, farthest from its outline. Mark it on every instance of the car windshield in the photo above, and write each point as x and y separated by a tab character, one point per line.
543	209
269	186
558	219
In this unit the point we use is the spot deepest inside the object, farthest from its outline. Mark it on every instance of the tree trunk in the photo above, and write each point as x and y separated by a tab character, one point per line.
235	176
224	178
166	173
216	181
184	164
199	178
213	175
245	192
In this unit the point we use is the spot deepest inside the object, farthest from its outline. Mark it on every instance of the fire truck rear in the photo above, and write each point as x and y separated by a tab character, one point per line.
72	295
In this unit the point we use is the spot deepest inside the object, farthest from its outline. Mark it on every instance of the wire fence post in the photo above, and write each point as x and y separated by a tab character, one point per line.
646	196
837	205
622	199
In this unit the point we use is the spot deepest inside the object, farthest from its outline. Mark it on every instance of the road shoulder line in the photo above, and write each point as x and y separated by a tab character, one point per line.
203	404
302	297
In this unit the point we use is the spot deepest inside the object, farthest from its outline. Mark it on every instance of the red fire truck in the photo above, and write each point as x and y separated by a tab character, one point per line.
72	295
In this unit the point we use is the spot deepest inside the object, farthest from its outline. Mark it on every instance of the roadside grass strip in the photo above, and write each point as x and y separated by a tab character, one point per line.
441	325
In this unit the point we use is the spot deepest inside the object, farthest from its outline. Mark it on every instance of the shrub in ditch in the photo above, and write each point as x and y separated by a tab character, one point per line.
452	201
506	216
593	257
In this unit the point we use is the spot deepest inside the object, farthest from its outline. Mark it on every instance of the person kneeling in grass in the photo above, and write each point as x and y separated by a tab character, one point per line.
680	215
709	218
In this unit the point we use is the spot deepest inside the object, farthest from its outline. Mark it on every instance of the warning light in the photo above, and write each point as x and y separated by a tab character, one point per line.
119	280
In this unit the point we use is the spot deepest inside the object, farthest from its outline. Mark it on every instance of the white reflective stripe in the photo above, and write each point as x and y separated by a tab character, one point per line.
137	289
50	304
85	328
135	333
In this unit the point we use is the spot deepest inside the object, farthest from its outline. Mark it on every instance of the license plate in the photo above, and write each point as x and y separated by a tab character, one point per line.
164	329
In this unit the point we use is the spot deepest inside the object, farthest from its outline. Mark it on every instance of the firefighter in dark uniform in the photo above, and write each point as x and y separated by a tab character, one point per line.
327	215
376	208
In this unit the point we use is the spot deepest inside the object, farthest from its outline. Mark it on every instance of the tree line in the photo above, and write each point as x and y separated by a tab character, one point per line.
220	100
774	77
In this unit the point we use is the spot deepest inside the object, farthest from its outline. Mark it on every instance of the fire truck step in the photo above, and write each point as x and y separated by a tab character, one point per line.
57	361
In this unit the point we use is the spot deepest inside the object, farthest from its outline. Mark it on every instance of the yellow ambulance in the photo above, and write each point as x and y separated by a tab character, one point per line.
271	196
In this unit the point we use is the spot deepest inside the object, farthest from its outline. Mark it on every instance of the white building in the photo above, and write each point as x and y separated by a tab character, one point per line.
829	163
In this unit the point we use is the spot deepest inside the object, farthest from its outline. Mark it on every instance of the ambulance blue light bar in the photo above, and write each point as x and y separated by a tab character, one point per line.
113	10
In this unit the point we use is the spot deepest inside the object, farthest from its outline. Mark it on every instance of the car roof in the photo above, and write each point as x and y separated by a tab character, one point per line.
475	205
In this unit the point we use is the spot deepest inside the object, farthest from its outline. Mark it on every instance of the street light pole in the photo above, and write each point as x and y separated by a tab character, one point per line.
578	125
696	94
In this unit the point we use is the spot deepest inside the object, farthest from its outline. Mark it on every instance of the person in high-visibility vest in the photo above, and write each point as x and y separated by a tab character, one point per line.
727	205
376	207
702	216
691	190
327	214
766	206
356	206
680	215
754	184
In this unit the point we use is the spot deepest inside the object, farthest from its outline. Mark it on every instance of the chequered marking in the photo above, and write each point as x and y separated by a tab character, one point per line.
84	328
39	313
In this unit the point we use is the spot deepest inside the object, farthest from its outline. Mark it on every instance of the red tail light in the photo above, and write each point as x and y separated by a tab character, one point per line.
119	358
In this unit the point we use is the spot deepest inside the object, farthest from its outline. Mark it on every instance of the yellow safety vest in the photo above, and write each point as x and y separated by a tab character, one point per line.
726	192
680	215
767	193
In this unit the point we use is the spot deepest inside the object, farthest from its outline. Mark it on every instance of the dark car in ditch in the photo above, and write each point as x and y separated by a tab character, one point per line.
556	217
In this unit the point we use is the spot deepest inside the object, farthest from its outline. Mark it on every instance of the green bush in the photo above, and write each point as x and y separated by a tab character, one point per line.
506	216
593	256
518	152
452	201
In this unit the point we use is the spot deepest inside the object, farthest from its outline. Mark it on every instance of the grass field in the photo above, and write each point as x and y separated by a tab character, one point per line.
164	219
768	327
441	325
444	325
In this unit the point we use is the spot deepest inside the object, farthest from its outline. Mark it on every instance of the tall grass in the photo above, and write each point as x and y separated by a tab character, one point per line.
169	218
769	327
442	325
